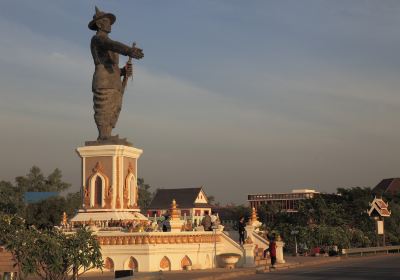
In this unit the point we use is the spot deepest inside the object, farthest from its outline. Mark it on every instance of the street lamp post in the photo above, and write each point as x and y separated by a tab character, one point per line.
214	228
295	232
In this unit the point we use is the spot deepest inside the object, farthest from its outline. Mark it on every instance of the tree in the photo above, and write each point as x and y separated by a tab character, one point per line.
211	199
15	237
45	213
83	253
10	200
48	213
49	253
239	211
35	181
145	196
333	219
73	202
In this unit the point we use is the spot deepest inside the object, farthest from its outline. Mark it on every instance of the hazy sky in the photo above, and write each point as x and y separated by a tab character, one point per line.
238	96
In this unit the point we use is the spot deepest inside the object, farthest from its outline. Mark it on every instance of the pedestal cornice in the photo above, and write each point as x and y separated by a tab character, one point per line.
109	150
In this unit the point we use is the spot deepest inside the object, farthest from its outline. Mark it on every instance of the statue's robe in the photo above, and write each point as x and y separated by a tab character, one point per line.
106	85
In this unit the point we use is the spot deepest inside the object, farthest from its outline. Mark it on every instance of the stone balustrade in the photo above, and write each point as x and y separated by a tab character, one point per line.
138	238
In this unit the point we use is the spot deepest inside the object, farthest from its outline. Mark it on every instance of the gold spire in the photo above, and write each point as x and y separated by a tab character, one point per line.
174	210
254	217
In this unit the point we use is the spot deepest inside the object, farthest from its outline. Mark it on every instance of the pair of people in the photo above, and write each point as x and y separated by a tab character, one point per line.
208	221
165	223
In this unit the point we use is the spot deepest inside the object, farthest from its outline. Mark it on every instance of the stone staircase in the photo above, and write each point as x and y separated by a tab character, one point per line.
259	258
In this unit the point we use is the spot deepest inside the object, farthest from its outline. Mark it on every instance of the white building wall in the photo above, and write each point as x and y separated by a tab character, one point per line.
149	256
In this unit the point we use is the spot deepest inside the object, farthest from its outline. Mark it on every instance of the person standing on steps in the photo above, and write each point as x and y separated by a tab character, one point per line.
241	229
272	251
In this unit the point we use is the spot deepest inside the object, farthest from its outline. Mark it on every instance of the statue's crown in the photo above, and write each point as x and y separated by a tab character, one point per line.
99	15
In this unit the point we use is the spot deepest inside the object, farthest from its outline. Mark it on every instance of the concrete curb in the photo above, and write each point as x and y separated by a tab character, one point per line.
222	275
227	275
261	270
247	272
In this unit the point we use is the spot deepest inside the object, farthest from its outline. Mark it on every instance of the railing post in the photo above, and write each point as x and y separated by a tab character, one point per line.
279	251
249	255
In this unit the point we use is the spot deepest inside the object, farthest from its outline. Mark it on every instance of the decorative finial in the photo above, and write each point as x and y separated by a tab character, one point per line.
254	215
65	219
98	167
174	211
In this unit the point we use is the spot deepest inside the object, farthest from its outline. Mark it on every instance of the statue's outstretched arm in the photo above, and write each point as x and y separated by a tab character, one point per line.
115	46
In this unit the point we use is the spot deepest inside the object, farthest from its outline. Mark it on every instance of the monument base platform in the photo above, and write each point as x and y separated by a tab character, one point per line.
112	140
109	176
102	216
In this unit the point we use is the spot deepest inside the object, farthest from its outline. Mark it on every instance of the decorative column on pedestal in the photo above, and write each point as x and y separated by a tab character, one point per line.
252	225
254	219
249	245
249	248
279	250
64	222
175	217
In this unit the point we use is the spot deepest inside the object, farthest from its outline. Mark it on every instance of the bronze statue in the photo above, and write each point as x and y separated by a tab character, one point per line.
107	86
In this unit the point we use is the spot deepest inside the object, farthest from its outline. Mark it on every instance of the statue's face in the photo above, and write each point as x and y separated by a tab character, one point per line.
104	24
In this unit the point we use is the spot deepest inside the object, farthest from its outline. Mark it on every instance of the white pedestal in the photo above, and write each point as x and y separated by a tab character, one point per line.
279	251
176	225
109	177
249	255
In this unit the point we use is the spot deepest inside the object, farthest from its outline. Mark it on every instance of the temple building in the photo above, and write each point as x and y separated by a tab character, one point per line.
193	203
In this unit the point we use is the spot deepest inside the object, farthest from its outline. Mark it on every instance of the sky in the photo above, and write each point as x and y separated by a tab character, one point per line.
239	97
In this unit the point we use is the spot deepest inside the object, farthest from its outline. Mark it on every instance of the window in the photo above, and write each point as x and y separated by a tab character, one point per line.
132	191
185	212
98	192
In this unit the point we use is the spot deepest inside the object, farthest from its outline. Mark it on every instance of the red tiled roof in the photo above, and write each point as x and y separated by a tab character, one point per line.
385	213
185	198
381	204
390	185
380	207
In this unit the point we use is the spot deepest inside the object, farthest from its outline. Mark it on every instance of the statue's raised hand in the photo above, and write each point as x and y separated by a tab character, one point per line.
137	53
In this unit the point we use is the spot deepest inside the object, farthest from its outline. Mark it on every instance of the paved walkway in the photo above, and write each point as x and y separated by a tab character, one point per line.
219	273
373	267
